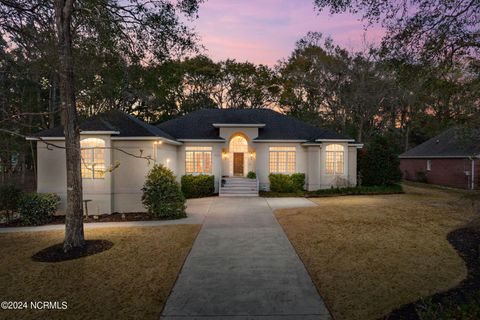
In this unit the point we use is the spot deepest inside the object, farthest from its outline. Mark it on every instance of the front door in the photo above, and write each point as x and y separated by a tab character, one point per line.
238	164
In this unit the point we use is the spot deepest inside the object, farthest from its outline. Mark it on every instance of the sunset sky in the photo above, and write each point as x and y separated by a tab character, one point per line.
264	31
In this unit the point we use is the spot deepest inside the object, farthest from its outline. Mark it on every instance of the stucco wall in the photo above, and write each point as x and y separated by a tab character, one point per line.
446	172
51	171
335	180
262	160
216	159
129	176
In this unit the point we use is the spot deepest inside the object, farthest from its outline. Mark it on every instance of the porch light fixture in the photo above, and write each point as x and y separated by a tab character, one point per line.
225	155
252	155
158	142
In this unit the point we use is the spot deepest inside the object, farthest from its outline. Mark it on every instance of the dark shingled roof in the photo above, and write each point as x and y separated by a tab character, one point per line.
113	120
198	125
450	143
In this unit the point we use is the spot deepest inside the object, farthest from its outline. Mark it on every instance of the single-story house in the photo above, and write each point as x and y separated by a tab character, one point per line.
226	143
450	159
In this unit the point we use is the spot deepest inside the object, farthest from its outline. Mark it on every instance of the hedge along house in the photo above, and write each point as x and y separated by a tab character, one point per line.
449	159
226	143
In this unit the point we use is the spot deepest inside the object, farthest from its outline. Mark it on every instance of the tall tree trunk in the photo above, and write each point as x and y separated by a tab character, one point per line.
74	235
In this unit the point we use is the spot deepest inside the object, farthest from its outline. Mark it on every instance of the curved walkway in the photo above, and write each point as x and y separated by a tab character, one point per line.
242	266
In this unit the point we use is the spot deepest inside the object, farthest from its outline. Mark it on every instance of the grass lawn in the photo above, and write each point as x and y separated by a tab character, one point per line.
130	281
371	254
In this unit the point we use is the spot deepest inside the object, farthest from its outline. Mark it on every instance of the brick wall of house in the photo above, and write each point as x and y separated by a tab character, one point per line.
446	172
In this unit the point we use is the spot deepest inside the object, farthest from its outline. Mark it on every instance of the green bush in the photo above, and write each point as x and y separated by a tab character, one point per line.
9	199
379	163
346	191
162	195
285	183
421	176
251	175
198	186
298	181
387	189
38	208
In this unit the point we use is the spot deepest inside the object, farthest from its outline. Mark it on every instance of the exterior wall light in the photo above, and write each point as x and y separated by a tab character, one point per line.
252	155
225	155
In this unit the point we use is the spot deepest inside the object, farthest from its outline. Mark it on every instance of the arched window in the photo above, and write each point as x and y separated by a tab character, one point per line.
238	144
93	158
334	159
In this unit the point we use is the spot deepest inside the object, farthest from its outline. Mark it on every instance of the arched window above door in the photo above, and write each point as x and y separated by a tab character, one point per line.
238	144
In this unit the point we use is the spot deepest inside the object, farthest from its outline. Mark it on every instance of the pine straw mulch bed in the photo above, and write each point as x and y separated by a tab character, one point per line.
114	217
369	255
131	280
56	253
461	302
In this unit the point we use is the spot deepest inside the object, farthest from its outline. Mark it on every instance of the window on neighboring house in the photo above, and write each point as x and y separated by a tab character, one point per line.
334	159
198	160
93	158
429	165
282	160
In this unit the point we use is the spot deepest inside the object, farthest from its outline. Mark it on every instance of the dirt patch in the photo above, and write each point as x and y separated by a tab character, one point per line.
56	253
114	217
466	241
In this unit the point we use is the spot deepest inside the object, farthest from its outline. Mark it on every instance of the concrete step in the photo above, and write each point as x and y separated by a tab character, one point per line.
238	195
238	189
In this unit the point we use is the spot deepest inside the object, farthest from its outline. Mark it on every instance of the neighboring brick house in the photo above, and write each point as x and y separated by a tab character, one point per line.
448	159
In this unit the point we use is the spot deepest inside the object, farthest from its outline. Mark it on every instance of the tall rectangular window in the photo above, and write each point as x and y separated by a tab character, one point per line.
334	159
429	165
282	160
198	160
93	158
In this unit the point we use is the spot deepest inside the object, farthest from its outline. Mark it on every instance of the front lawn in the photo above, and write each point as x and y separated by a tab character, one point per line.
131	280
371	254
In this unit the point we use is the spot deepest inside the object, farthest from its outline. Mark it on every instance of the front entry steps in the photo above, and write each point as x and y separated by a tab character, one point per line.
238	187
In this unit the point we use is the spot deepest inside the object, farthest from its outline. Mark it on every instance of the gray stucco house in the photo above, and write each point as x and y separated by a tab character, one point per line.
226	143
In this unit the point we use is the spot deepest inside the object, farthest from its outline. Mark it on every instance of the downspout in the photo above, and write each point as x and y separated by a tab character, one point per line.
473	174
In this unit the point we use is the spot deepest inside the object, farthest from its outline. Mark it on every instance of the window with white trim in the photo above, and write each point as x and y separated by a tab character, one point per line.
334	159
198	160
93	158
282	160
429	165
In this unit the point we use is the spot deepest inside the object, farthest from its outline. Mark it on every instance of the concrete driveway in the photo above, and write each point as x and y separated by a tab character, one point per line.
242	266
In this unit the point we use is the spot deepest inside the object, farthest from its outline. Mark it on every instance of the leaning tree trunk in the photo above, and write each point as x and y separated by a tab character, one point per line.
74	236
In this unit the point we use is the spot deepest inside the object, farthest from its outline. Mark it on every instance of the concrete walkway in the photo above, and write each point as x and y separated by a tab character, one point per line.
196	211
242	266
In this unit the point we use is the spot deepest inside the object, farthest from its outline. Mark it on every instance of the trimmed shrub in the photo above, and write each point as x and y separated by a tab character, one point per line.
379	163
198	186
162	195
251	175
421	176
38	208
10	197
285	183
298	181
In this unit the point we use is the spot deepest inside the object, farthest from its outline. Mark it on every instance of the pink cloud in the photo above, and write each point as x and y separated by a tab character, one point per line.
265	31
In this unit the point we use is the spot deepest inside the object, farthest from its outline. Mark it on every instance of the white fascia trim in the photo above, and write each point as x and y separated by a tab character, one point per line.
99	132
45	138
433	157
203	140
238	125
335	140
357	145
148	138
299	141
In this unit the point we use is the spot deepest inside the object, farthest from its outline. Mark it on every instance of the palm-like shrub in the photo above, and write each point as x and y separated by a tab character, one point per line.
162	195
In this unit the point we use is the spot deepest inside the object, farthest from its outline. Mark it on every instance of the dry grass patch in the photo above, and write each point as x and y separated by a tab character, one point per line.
130	281
370	254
